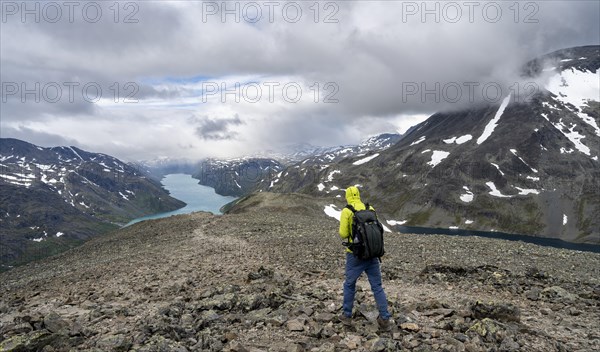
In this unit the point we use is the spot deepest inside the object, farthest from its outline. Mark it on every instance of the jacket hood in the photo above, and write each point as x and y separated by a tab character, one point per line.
352	195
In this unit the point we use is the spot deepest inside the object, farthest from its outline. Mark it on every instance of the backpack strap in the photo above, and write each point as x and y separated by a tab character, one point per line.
349	242
349	206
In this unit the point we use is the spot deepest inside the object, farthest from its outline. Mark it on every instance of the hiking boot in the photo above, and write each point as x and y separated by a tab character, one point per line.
347	321
384	324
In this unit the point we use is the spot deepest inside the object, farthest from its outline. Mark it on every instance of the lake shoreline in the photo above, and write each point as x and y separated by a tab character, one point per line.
196	196
541	241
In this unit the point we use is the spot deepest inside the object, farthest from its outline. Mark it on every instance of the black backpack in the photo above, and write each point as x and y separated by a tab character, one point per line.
367	234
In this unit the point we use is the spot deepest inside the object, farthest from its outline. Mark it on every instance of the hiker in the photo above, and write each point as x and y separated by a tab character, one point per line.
355	266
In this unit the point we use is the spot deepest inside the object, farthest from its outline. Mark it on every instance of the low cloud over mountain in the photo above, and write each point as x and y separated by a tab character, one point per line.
118	78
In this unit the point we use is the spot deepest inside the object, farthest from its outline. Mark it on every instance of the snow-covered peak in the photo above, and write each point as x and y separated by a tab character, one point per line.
381	141
577	88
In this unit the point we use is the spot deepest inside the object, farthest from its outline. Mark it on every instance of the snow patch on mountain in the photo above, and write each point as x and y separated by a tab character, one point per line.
332	174
464	139
498	167
44	167
418	141
76	154
514	152
494	191
489	128
437	157
466	197
524	191
396	222
40	239
573	136
18	179
459	140
564	150
332	211
47	181
365	160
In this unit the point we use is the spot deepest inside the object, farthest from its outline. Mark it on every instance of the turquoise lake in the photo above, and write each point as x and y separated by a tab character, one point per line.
196	196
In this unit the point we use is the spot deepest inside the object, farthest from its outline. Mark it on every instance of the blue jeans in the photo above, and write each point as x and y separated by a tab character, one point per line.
354	268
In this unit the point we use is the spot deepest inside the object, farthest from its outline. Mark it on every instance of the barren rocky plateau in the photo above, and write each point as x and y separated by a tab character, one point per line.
270	279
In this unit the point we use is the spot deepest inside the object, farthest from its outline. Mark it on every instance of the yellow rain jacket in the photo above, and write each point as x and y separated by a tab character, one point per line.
352	198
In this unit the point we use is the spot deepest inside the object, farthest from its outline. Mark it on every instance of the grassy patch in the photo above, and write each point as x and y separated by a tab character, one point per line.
457	219
419	218
585	223
398	203
532	223
33	251
152	204
39	250
225	208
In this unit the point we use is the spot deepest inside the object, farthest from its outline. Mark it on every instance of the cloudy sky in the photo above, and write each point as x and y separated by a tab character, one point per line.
193	79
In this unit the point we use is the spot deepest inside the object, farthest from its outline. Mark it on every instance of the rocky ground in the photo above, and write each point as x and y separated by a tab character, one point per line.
273	282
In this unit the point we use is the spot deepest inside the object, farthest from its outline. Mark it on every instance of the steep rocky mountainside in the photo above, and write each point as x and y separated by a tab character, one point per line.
236	177
246	282
584	58
53	198
305	171
527	166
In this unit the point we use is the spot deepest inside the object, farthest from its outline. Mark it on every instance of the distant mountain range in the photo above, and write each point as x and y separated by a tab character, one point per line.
53	198
527	167
240	176
300	152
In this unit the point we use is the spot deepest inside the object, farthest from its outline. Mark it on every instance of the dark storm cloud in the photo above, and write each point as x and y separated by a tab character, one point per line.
216	129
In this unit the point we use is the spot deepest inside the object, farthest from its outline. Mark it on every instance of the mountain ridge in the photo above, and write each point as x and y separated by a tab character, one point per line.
243	175
55	198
